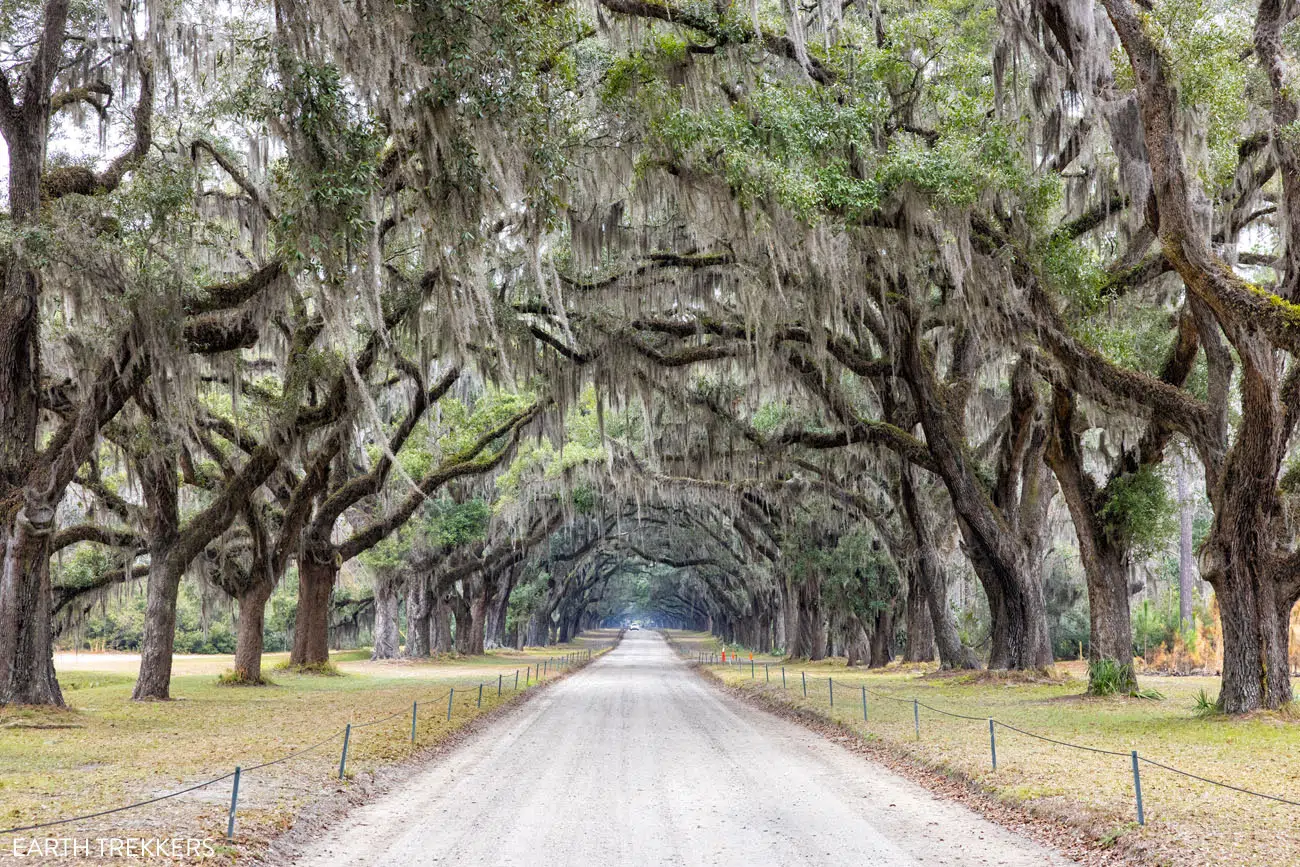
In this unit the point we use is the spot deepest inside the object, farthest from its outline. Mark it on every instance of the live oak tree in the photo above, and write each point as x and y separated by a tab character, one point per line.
808	306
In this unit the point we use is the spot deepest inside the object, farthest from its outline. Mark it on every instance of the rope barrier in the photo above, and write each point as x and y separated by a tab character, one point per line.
116	809
953	715
576	660
301	752
402	712
1061	743
1223	785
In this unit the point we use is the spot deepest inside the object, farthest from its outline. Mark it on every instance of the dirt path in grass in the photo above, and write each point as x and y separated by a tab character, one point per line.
637	760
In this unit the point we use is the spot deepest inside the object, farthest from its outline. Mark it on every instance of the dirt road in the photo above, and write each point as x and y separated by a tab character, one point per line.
638	761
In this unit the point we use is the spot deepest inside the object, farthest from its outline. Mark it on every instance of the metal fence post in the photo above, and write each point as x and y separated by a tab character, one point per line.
343	760
751	669
993	746
804	675
516	680
479	703
1137	789
528	675
451	695
499	676
864	704
783	686
916	717
234	801
767	671
415	705
830	688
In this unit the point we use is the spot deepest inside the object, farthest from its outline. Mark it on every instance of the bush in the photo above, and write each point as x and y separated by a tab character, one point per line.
1205	706
1108	677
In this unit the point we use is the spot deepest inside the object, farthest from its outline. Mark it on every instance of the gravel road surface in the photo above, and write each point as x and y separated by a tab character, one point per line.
635	760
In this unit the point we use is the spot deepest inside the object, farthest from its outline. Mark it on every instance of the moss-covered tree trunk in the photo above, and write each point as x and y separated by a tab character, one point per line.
478	610
460	607
317	572
882	638
249	637
1256	586
419	614
807	629
387	638
28	504
1104	558
166	567
1003	528
439	622
929	573
920	625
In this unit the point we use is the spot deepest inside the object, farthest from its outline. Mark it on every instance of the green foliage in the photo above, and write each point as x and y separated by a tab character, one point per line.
464	425
772	416
583	444
1139	512
1203	705
329	184
461	523
856	574
119	624
239	678
817	150
1158	625
584	499
1205	41
1109	677
1074	271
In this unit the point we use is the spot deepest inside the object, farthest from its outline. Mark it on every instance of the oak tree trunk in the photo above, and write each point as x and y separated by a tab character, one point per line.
387	634
920	625
317	571
858	646
464	625
929	573
26	633
158	480
27	510
419	610
1104	558
478	608
807	630
882	639
249	639
1255	614
1186	556
440	624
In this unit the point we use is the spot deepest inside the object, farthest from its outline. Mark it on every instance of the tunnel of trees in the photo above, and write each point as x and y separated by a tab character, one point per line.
832	327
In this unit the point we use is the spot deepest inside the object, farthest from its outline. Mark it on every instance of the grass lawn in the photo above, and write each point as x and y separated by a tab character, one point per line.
105	750
1188	822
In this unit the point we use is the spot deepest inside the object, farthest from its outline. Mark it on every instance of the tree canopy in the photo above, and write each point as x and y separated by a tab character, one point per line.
788	320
